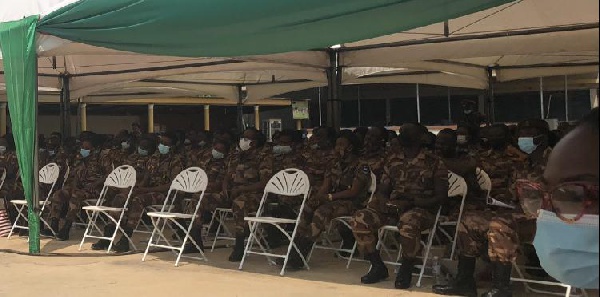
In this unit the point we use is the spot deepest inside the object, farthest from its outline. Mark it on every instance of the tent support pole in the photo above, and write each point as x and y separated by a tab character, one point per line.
491	110
418	103
566	98
334	79
542	98
320	108
388	112
257	117
65	106
240	109
358	104
83	116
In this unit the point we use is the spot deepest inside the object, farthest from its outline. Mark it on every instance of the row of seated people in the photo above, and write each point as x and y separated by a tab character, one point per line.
411	175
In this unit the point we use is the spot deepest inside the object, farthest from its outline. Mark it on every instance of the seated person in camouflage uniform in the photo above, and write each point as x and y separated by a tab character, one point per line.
9	162
343	191
116	197
88	177
161	169
246	179
500	230
413	186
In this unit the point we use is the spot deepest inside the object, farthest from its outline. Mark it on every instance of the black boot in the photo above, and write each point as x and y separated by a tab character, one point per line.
196	235
238	249
501	281
102	244
378	271
122	246
53	225
404	276
464	283
295	261
348	241
63	234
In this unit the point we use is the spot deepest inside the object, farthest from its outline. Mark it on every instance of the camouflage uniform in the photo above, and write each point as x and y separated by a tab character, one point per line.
246	168
502	230
317	162
9	162
86	174
343	174
114	158
412	183
159	170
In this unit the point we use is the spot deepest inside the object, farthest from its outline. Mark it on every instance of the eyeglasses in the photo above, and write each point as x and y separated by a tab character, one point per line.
570	200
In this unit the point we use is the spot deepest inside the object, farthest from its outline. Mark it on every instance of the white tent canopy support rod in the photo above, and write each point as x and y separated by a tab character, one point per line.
418	104
566	98
542	97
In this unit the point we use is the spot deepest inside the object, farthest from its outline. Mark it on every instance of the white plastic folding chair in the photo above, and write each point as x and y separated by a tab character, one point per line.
327	242
123	177
48	175
220	217
288	182
192	180
457	187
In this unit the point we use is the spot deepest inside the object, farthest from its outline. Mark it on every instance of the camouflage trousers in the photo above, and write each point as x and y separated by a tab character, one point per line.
500	233
210	202
366	223
241	206
322	216
70	198
138	205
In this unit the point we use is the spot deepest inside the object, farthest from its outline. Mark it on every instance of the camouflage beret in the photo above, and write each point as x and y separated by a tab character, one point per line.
534	123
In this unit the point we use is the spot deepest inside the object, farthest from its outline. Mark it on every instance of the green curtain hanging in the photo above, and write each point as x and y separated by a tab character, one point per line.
201	28
17	41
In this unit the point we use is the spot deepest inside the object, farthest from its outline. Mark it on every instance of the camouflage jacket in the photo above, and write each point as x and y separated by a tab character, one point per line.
246	168
344	172
316	164
162	169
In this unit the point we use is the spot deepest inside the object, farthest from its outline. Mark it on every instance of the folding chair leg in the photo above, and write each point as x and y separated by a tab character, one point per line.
426	257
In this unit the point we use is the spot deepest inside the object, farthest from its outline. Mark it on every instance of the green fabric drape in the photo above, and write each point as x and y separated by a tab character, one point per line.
202	28
17	41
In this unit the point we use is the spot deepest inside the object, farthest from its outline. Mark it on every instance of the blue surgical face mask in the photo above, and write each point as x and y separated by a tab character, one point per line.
163	149
51	152
282	149
573	258
84	153
527	145
142	152
217	155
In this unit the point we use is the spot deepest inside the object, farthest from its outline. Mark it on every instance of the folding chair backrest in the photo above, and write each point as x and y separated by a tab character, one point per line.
457	186
485	183
66	176
191	180
122	177
289	182
49	174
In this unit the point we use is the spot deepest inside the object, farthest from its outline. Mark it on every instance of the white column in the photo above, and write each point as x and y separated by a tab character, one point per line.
594	98
418	104
150	118
2	119
257	117
206	117
83	116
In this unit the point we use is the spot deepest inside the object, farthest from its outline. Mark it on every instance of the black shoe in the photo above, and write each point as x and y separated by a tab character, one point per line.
196	235
464	283
63	234
103	244
404	276
501	281
378	271
238	250
294	260
53	226
122	246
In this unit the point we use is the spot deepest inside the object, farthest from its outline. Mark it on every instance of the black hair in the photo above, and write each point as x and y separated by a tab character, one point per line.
331	134
353	139
286	133
384	132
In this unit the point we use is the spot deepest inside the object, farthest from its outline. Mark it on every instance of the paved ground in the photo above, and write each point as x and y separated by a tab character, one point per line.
89	273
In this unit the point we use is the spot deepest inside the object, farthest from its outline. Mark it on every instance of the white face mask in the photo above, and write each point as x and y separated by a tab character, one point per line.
245	144
2	149
217	155
461	139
